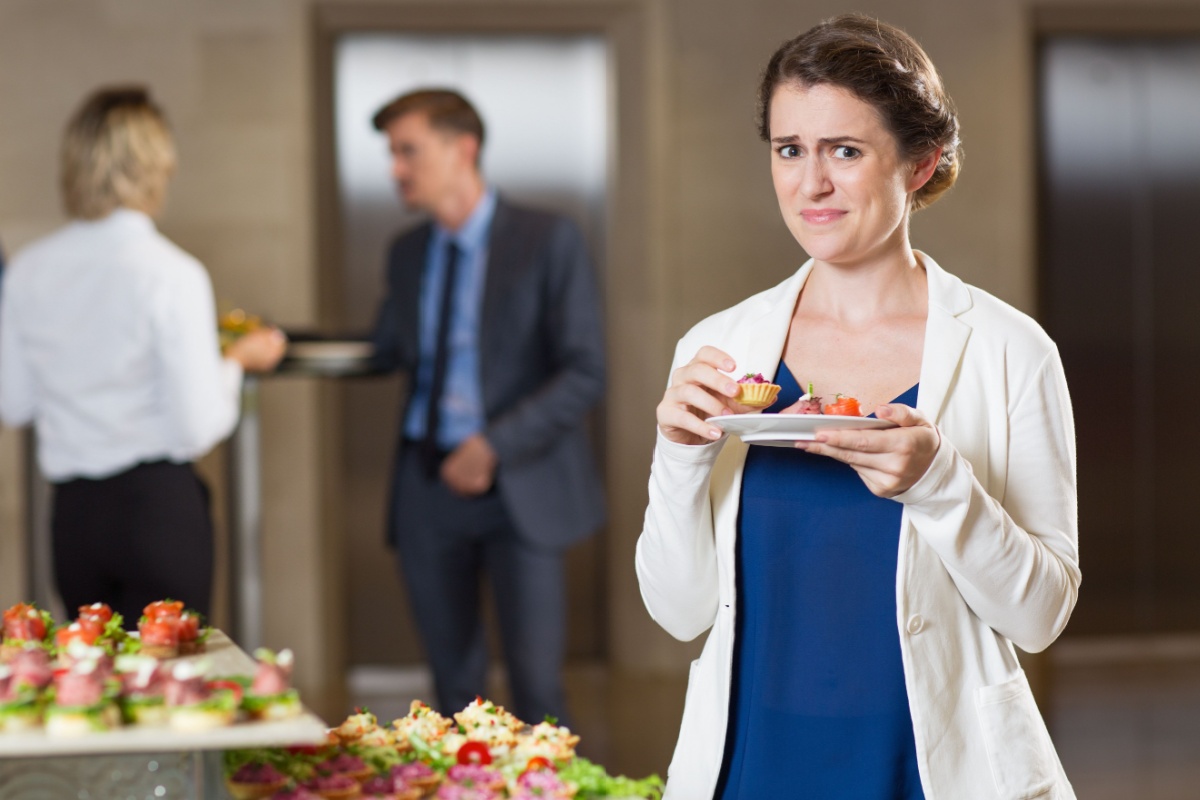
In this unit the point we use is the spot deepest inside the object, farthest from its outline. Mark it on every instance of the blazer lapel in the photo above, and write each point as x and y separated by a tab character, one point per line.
503	258
945	338
768	333
409	272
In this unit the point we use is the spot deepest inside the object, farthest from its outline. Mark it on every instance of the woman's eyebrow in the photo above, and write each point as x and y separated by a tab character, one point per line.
793	139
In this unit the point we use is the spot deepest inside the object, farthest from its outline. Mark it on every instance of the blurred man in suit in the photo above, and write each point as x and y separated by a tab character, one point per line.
492	310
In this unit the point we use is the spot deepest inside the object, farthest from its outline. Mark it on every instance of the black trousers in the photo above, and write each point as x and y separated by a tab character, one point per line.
447	548
138	536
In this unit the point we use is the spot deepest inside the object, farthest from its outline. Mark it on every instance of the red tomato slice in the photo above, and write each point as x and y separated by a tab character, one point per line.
474	753
97	611
24	622
304	749
164	631
164	608
845	407
233	686
189	626
84	630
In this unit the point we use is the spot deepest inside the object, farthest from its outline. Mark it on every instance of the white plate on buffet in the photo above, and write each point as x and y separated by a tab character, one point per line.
330	351
781	430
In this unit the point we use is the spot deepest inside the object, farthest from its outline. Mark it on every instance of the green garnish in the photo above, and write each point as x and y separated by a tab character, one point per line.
594	782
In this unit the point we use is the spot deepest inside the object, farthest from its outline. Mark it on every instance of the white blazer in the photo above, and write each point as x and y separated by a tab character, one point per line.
988	552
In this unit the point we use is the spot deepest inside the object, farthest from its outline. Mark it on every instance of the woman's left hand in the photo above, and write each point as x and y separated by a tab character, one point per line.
890	460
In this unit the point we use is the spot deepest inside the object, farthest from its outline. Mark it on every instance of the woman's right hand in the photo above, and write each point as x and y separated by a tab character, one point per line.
258	350
699	390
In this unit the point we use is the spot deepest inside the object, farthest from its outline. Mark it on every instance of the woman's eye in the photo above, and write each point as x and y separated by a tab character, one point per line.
789	151
845	151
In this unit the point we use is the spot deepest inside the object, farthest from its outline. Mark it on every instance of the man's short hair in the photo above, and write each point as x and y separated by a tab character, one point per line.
117	152
446	109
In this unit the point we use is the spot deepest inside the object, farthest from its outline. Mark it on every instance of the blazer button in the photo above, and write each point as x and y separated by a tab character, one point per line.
916	623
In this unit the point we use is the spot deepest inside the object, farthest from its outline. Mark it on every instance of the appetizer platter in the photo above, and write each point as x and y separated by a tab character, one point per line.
481	753
89	687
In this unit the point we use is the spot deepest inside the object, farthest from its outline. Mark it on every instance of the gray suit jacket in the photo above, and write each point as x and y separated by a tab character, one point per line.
541	354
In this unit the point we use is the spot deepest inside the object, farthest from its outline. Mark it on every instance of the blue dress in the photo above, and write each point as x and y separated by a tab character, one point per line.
818	707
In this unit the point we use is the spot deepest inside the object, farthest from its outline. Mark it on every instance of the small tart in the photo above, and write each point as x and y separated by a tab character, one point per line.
757	395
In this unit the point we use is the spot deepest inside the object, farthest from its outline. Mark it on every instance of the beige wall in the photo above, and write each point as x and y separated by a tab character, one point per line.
236	78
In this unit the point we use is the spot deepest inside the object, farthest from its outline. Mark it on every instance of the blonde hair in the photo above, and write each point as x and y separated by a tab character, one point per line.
117	151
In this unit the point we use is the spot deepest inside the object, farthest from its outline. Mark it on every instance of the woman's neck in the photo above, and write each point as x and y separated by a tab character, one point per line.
862	293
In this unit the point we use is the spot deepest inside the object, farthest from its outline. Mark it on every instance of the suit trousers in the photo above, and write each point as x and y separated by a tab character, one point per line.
445	546
130	539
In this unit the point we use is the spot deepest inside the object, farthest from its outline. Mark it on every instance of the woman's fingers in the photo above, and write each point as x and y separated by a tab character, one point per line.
716	358
889	461
681	424
699	389
902	415
703	402
702	373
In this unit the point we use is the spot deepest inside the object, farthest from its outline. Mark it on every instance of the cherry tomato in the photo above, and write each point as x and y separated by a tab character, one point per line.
100	612
474	753
844	406
538	764
83	630
164	608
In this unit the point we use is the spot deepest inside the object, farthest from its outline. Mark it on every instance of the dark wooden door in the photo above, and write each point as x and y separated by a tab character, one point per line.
1120	293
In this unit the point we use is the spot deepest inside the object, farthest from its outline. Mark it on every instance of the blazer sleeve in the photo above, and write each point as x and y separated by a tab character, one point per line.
676	558
1015	559
573	332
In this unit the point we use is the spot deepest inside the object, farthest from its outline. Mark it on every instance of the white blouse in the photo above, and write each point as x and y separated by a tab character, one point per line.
108	345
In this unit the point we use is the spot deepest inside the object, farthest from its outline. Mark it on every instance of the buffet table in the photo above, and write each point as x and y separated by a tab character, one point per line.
144	762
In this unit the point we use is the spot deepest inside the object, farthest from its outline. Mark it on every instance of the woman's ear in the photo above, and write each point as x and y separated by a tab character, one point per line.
923	169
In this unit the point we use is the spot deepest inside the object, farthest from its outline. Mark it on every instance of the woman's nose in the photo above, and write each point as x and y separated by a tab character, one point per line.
814	182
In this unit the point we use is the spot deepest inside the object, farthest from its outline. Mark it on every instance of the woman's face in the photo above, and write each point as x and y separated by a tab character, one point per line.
842	184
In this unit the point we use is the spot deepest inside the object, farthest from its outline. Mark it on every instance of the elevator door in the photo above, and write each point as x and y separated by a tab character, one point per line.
544	101
1120	204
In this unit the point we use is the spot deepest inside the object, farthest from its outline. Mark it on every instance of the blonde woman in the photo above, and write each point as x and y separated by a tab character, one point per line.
108	346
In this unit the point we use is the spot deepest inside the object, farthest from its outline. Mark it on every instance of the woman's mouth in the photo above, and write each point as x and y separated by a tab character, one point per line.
821	216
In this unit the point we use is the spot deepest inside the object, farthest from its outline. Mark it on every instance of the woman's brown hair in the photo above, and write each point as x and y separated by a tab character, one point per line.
117	152
885	67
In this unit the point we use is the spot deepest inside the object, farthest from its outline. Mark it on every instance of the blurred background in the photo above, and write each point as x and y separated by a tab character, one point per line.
1081	126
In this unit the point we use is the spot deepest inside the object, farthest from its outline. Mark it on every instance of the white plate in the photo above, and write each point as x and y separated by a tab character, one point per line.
783	429
330	351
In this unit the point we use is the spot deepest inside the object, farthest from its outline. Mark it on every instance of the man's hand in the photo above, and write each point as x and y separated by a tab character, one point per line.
471	469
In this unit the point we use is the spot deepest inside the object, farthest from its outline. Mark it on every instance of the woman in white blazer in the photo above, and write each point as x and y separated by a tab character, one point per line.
980	473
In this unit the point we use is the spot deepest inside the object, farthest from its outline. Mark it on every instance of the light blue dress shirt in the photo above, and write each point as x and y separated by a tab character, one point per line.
462	397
